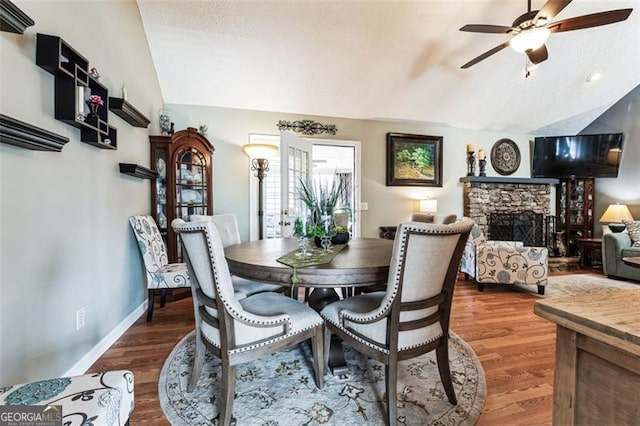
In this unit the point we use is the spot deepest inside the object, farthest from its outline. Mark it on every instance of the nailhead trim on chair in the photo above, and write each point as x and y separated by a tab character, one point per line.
343	316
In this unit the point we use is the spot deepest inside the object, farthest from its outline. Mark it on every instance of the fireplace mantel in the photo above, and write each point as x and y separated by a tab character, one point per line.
515	180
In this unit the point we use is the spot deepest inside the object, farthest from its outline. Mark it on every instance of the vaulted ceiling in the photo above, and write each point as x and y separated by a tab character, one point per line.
390	60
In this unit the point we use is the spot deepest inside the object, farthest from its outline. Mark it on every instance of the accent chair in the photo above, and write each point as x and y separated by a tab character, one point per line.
161	275
504	262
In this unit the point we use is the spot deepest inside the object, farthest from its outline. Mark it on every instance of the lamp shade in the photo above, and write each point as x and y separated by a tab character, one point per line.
616	213
430	205
260	150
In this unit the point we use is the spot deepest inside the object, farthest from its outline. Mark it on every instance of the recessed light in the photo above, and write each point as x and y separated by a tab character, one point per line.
594	76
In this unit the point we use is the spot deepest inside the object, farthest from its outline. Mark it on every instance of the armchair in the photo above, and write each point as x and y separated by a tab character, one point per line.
504	262
238	330
411	316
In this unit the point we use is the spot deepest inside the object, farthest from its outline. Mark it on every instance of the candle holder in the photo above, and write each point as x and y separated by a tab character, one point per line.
483	167
471	163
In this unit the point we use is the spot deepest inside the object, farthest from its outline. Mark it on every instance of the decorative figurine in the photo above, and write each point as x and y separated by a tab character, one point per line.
93	73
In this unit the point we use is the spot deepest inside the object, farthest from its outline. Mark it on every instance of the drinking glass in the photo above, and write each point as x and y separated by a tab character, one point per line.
326	231
303	228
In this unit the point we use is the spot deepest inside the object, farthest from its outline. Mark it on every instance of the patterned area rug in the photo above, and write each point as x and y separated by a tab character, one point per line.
280	390
568	285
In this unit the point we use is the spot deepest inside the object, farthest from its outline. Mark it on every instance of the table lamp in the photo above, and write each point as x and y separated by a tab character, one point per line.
615	215
429	205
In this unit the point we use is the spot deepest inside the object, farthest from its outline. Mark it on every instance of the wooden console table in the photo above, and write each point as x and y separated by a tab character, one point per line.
597	371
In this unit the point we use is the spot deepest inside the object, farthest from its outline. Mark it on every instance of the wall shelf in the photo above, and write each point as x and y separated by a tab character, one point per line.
73	86
12	19
128	112
25	135
137	171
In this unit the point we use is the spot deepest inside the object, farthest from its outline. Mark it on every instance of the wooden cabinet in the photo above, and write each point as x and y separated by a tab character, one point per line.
184	183
575	200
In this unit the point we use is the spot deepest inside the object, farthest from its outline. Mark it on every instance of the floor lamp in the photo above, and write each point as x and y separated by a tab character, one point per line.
259	154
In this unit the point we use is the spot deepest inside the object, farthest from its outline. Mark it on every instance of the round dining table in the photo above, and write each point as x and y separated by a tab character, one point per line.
362	262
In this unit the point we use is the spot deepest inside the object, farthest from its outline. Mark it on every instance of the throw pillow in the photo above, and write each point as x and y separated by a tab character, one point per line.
633	227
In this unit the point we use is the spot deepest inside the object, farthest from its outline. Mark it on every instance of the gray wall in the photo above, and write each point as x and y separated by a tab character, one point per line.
66	241
624	116
229	130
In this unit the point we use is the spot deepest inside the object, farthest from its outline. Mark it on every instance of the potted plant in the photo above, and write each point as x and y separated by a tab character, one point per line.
321	199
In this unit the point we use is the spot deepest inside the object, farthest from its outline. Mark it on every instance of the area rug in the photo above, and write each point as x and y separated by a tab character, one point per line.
568	285
280	390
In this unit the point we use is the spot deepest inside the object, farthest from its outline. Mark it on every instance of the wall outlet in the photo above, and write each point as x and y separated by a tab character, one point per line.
79	319
364	206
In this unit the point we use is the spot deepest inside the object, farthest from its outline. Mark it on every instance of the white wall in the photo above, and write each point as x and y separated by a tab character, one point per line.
66	241
229	130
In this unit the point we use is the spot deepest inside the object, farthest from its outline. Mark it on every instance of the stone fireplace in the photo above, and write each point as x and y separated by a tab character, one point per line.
510	201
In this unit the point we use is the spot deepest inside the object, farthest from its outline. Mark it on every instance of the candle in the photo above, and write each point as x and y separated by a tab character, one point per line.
469	147
481	154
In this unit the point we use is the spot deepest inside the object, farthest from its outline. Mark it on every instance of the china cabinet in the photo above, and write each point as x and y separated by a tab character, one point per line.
574	211
184	183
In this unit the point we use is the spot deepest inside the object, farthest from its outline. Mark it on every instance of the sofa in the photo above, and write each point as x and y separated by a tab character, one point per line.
615	246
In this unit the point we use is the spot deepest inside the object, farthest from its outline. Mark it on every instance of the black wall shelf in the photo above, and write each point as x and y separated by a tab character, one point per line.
12	19
25	135
137	171
128	112
73	86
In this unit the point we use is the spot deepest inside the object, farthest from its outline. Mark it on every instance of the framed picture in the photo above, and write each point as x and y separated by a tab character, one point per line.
414	160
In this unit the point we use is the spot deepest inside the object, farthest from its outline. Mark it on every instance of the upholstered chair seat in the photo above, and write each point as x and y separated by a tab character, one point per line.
160	274
239	330
411	317
504	262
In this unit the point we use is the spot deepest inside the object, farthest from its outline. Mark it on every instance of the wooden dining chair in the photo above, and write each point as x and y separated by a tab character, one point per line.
411	317
239	330
227	226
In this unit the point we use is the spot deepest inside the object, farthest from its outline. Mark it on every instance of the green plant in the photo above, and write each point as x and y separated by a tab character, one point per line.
320	197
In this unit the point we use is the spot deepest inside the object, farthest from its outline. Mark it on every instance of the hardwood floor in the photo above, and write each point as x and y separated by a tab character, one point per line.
516	348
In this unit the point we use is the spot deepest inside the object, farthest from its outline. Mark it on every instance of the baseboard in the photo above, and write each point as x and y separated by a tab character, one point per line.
98	350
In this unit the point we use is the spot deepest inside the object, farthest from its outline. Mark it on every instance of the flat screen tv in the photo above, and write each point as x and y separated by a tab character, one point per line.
581	156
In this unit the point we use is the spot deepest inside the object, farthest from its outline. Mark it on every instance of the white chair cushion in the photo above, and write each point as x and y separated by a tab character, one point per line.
248	287
173	275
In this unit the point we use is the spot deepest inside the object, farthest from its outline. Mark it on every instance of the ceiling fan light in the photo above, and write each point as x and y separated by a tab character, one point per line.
529	39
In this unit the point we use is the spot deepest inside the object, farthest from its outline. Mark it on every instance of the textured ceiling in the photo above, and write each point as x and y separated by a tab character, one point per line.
389	60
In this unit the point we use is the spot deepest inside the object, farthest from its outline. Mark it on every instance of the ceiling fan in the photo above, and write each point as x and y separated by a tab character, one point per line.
532	29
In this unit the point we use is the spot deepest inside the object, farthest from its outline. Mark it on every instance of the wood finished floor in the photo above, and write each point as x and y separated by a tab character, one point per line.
516	349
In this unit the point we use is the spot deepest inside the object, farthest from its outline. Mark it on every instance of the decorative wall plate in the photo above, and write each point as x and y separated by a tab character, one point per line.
505	156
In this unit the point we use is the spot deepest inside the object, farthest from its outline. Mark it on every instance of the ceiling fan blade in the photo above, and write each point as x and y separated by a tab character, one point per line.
588	21
490	29
538	55
485	55
550	9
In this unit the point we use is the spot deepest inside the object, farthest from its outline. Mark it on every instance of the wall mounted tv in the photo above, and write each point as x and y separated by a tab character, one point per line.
581	156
